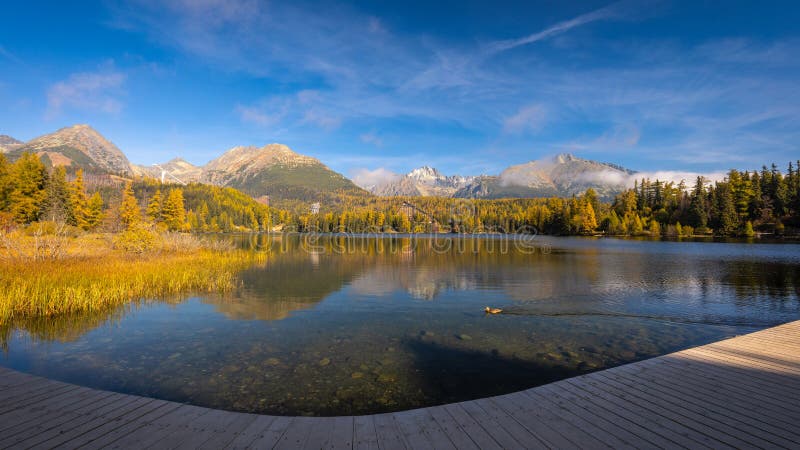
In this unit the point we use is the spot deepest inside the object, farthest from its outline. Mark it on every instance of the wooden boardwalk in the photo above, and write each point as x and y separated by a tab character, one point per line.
738	393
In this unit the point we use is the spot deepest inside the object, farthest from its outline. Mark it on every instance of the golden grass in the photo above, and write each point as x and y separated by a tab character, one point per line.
92	275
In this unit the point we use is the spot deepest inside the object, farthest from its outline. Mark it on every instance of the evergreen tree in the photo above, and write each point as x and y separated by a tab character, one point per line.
57	204
129	213
94	212
727	220
5	182
698	217
27	196
78	203
174	212
588	220
154	207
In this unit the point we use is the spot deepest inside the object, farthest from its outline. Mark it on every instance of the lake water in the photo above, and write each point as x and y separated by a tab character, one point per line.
352	325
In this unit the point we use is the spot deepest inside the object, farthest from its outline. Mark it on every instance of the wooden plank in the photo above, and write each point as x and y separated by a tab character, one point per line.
695	426
141	425
216	422
454	431
32	410
578	418
306	432
364	435
746	378
480	426
71	420
174	421
717	420
544	426
762	375
114	416
183	429
253	431
747	361
747	385
272	434
20	396
761	356
62	431
503	428
411	424
635	413
724	394
389	435
343	433
629	431
231	432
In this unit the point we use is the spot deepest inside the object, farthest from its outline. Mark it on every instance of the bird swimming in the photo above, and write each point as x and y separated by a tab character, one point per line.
493	310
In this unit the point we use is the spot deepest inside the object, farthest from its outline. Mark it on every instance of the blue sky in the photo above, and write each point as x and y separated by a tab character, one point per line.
369	87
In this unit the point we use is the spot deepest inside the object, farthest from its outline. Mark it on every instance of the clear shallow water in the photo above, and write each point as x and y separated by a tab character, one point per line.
364	325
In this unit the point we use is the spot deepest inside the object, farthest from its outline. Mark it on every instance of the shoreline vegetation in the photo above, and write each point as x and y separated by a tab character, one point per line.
53	273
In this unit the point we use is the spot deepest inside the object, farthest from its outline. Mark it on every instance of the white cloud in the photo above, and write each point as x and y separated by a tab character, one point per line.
528	118
371	138
89	91
256	115
322	119
367	178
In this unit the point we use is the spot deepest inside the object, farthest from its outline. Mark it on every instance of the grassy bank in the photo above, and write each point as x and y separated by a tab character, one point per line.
48	275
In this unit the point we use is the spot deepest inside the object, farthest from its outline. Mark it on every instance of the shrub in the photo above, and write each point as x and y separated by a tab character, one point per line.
137	239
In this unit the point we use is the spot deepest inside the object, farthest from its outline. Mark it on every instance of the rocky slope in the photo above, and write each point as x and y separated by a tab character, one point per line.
424	181
78	146
178	168
8	143
277	171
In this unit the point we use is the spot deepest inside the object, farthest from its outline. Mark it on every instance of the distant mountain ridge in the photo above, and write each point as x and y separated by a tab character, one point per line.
177	168
562	175
8	143
280	173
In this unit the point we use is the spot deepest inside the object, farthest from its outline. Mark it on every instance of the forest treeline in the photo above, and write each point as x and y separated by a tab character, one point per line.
743	204
29	192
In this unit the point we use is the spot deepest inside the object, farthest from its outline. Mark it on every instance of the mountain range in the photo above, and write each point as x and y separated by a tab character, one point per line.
283	174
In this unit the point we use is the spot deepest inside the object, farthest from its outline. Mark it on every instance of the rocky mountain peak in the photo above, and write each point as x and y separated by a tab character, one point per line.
79	146
425	172
564	158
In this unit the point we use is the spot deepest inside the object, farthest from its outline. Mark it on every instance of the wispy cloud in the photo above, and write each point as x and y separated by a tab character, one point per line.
88	91
528	118
371	138
258	115
614	10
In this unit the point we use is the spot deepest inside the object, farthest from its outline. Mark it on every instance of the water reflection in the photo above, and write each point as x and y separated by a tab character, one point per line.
338	325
